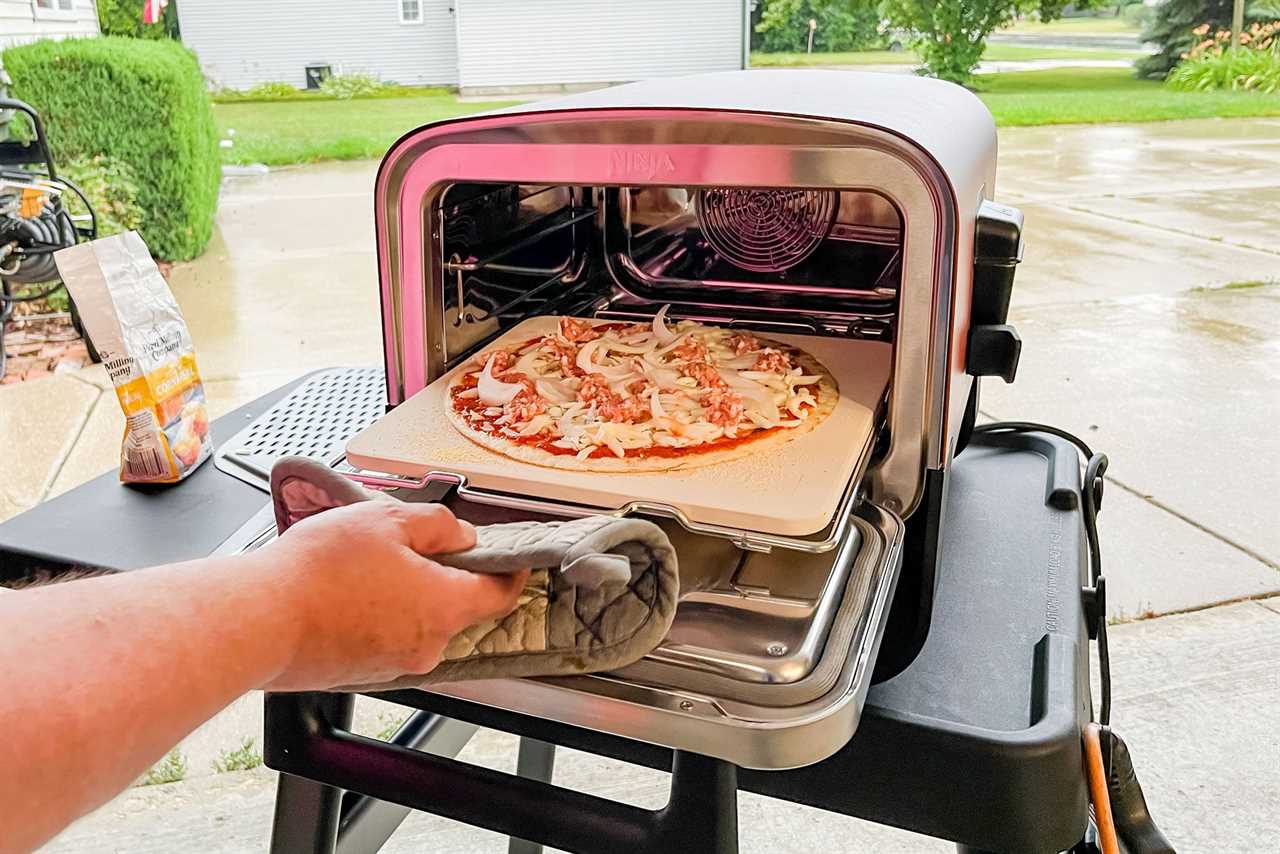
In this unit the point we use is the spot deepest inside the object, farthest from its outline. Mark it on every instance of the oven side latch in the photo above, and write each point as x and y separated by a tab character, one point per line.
994	345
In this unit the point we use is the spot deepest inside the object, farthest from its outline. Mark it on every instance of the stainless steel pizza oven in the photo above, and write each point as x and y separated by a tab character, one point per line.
849	207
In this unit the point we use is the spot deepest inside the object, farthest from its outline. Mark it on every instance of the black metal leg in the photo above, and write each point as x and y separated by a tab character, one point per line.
367	823
306	815
702	814
535	761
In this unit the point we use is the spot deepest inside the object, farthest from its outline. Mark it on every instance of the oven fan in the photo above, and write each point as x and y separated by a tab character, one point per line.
766	231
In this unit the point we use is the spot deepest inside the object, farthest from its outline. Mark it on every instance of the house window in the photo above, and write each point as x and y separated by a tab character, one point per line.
64	9
410	11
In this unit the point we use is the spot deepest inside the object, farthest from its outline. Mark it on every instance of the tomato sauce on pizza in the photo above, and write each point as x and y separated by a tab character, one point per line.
638	394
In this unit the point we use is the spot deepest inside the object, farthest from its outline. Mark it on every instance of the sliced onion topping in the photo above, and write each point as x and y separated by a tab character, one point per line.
494	392
660	330
586	361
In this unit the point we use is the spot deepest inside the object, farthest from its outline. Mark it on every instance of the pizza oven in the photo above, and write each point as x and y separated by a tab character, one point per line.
850	213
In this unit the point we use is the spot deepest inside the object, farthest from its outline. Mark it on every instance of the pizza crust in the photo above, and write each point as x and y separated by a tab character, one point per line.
694	457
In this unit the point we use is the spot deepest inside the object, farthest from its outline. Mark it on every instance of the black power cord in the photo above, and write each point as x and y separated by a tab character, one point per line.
1095	596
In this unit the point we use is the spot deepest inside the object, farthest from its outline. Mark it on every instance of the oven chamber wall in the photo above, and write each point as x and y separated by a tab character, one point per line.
936	193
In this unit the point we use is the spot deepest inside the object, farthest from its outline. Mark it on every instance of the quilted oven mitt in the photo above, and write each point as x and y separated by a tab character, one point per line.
602	594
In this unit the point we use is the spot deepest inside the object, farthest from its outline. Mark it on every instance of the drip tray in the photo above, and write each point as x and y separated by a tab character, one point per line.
747	623
751	617
713	687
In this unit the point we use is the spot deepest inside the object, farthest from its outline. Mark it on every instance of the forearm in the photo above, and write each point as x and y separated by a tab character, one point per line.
101	677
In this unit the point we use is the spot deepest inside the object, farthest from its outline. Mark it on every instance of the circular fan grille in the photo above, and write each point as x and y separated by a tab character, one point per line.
766	231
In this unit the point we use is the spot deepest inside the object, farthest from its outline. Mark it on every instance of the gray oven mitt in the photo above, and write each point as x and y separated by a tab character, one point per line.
603	591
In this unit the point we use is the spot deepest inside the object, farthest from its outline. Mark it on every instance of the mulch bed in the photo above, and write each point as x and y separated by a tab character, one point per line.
38	345
41	346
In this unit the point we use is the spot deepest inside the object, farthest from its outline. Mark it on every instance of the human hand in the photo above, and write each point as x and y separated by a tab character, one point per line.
364	604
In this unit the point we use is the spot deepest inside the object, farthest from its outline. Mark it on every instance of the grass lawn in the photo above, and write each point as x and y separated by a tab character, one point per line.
281	132
1096	95
278	133
994	53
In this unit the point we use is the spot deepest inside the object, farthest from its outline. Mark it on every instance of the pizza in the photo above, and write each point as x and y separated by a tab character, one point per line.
635	397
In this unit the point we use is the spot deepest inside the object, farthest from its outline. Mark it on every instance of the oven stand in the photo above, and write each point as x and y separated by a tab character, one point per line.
536	760
308	739
304	808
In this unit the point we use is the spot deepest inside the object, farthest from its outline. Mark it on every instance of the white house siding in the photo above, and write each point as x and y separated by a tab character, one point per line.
506	44
21	22
244	42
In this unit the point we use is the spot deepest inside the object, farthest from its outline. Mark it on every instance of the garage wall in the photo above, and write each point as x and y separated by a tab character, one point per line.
244	42
508	44
21	21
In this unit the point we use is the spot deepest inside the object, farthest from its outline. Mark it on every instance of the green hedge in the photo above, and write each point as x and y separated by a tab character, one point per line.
143	104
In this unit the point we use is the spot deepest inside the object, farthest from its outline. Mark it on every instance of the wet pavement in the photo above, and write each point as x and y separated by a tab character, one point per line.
1149	306
1150	320
1078	41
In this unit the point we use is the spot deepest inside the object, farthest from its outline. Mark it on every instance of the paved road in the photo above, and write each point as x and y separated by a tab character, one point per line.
1077	41
1130	338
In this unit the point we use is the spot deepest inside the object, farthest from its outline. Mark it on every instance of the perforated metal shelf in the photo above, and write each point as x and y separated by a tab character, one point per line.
315	420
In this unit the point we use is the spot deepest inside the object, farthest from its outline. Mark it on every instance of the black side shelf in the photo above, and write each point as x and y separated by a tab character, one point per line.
978	739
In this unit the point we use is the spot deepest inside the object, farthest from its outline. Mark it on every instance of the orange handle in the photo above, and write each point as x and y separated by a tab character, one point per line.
1098	790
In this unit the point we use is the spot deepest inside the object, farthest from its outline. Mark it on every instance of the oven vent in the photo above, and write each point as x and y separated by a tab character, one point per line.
766	231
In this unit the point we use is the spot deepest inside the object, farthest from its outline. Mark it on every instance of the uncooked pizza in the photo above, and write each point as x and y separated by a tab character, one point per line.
620	397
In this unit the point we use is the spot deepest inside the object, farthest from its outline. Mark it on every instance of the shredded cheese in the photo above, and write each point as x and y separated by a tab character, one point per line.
668	385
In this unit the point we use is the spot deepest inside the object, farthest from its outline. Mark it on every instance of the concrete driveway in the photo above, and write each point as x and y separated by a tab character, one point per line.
1149	306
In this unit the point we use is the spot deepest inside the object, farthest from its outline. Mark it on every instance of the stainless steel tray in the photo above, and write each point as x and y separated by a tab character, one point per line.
638	702
748	623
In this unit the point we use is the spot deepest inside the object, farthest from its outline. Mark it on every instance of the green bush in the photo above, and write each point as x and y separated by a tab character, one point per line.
347	86
140	103
271	90
277	94
842	25
950	36
1243	69
111	188
1172	24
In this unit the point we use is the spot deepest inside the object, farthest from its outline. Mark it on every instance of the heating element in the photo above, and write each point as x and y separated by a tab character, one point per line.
767	231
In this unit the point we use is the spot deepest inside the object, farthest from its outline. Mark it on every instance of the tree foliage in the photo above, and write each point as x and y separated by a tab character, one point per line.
841	25
1174	20
124	18
951	35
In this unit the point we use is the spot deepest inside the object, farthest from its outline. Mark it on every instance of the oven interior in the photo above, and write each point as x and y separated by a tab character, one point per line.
808	261
799	260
